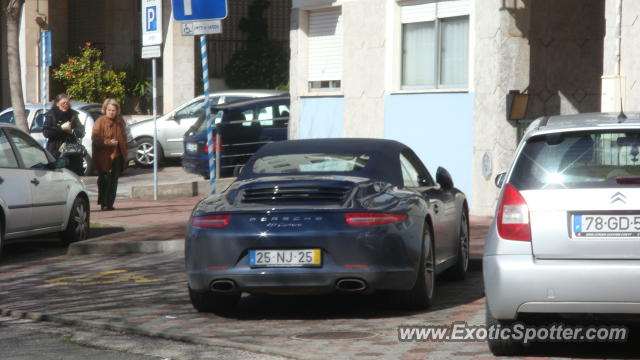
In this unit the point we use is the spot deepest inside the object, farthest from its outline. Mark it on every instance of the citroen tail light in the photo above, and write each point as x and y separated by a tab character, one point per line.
513	216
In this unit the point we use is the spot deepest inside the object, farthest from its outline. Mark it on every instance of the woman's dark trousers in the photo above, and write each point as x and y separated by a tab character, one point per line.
108	184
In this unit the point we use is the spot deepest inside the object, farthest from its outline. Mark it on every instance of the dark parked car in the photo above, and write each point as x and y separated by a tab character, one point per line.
324	215
244	127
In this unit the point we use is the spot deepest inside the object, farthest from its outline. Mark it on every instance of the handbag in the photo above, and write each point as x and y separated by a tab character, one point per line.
72	148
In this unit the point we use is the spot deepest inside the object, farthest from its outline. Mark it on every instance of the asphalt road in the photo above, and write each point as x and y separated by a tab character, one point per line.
145	295
23	339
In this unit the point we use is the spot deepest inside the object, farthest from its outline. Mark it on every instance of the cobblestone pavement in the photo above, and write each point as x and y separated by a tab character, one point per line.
146	294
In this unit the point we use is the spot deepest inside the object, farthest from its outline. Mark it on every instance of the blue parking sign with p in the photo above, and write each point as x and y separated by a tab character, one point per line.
191	10
152	19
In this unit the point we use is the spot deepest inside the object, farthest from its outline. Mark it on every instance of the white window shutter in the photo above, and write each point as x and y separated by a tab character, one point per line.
453	8
325	45
418	12
427	10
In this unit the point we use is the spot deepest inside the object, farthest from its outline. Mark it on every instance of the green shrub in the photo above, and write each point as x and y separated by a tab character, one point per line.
264	66
86	77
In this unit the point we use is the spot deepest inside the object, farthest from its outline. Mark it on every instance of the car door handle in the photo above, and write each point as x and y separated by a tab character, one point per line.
35	181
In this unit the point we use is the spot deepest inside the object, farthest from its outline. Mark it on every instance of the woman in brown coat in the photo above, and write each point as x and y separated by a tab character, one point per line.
109	144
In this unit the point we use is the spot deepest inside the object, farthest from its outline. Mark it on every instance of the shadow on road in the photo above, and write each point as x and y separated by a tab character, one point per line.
44	247
335	306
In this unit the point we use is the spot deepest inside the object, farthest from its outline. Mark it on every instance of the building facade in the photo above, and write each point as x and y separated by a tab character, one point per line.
435	75
114	26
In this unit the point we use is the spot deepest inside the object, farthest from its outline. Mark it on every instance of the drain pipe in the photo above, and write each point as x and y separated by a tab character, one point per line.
621	117
618	36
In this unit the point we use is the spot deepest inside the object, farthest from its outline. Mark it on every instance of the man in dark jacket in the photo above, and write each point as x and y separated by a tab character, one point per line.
62	126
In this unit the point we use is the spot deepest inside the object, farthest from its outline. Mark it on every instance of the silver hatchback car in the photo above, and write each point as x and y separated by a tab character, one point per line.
37	195
566	235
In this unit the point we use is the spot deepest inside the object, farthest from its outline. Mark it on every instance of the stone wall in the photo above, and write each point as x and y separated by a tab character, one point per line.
551	49
629	70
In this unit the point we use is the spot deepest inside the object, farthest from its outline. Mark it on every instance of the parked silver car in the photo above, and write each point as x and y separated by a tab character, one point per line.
173	125
88	113
566	235
37	195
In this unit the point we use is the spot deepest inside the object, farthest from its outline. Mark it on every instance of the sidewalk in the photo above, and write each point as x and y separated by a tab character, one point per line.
159	226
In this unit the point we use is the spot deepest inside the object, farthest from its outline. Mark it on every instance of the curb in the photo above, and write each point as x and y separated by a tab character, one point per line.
180	189
35	316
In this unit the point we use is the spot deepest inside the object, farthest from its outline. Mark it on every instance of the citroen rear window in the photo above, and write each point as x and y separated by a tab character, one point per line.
578	160
309	163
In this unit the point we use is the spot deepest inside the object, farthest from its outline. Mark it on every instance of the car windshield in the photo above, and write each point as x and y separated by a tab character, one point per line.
201	124
309	163
578	160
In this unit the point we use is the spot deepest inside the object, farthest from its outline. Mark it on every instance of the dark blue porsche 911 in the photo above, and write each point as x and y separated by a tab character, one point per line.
324	215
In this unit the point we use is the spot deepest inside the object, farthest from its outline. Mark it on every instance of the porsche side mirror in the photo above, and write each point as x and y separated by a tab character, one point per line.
444	179
499	181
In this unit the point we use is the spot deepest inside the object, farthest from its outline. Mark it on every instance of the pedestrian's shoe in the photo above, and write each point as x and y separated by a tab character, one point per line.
110	208
103	207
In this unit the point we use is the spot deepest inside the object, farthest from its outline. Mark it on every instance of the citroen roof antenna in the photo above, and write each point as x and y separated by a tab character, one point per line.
621	117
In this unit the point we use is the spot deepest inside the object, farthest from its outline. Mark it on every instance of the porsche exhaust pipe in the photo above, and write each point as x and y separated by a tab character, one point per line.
351	285
223	286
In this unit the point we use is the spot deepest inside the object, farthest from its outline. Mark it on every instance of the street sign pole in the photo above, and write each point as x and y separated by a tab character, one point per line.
199	17
43	68
207	112
45	63
151	41
155	130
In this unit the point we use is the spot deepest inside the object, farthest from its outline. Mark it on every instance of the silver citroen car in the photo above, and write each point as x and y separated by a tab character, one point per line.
566	234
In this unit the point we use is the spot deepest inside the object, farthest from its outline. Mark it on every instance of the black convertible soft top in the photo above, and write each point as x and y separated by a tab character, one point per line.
383	164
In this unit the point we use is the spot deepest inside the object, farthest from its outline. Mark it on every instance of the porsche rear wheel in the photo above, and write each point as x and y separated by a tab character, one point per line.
421	295
209	301
1	236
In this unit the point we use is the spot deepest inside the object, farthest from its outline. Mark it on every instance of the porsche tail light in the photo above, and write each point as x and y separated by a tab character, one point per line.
369	219
513	216
211	221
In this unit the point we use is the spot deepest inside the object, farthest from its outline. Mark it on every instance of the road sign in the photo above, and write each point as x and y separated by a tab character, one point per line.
149	52
46	47
203	27
151	22
189	10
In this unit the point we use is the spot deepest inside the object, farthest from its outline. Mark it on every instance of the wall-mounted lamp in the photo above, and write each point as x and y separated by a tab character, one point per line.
42	23
517	103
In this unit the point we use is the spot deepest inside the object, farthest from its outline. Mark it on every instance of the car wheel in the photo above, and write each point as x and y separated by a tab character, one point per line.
145	155
78	223
87	165
237	169
421	294
1	236
459	270
208	301
501	347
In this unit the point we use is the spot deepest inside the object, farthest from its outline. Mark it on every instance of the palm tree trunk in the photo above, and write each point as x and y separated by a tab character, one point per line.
14	9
